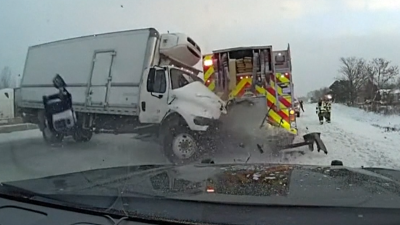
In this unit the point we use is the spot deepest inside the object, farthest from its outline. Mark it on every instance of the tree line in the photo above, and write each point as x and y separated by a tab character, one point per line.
359	80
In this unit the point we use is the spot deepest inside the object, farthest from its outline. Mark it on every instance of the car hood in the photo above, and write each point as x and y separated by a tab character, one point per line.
236	183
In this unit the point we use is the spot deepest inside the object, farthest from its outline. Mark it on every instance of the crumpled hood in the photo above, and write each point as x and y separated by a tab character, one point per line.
197	95
198	90
241	183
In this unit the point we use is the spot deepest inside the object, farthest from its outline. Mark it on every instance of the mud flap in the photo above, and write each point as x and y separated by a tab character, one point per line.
310	139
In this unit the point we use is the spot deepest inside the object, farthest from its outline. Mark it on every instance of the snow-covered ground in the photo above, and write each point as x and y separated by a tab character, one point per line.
370	117
352	137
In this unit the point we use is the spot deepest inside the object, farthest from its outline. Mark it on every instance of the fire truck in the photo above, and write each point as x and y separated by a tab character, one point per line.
238	73
256	82
285	86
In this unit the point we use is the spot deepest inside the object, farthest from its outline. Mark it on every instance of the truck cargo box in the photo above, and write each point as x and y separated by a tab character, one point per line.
103	72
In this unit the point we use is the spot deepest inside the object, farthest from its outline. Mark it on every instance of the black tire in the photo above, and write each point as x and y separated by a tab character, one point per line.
82	135
51	137
180	134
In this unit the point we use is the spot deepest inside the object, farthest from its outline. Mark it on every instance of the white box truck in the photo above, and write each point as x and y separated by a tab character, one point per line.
136	81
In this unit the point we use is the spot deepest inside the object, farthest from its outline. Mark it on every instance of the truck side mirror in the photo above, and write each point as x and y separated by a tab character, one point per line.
59	82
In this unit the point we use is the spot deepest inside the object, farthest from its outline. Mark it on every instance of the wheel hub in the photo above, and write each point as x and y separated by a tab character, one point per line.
184	146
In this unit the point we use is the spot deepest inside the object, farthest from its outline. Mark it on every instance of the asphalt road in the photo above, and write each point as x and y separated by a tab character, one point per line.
24	154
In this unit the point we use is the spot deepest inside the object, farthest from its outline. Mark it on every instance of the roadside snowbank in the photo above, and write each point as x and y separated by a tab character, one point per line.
369	117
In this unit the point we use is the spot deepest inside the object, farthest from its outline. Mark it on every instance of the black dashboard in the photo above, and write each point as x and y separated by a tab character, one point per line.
13	212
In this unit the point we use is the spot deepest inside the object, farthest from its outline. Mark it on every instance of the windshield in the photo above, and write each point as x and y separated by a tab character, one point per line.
127	99
180	78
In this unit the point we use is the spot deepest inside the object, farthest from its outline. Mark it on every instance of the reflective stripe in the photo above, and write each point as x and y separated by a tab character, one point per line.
328	106
325	107
285	99
283	78
208	74
238	91
241	87
279	116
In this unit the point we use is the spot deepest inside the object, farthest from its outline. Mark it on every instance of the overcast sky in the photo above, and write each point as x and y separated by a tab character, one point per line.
319	31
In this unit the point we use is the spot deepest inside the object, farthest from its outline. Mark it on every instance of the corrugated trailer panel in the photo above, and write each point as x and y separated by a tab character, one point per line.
85	60
6	103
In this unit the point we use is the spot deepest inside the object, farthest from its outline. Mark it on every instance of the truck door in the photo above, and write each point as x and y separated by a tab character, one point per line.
100	78
154	96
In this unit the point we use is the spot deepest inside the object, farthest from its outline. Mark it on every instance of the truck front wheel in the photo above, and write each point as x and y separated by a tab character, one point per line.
180	145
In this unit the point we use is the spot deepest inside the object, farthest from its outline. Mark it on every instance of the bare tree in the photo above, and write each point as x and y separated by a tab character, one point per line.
381	73
353	70
397	82
5	77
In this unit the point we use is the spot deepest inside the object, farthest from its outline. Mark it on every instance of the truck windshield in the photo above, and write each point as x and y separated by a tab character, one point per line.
180	78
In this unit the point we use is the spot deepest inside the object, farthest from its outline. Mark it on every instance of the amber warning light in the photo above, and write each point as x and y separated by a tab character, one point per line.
208	62
292	116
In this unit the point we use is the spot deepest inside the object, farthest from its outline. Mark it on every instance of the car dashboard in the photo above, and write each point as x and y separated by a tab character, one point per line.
13	212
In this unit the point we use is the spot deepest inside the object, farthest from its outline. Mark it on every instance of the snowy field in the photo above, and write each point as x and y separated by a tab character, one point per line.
353	137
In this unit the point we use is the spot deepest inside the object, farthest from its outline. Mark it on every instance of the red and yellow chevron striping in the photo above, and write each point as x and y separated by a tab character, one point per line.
283	78
284	99
280	112
242	86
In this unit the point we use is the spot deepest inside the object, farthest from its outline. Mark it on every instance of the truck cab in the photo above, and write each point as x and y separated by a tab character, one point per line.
175	91
172	86
174	100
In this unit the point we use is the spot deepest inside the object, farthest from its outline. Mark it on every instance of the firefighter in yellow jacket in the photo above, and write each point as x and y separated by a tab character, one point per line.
323	109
